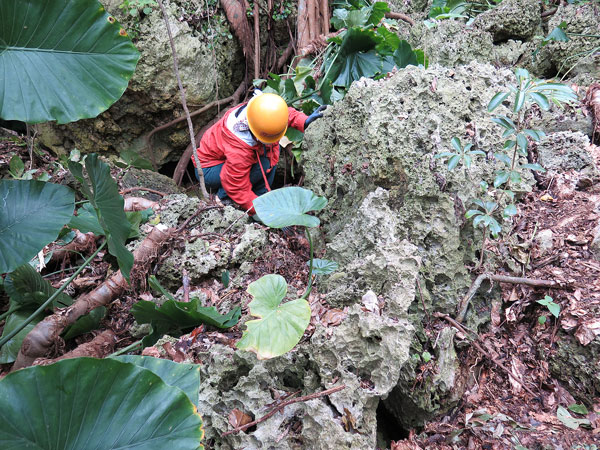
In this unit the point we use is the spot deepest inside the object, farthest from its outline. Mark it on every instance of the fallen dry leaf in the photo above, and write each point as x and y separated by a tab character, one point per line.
333	317
238	418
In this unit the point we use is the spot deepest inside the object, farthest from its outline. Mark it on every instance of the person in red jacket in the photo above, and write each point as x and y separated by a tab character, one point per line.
239	153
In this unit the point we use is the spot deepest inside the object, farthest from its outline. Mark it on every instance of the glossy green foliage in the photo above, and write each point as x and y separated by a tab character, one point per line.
62	60
32	213
279	326
86	323
103	193
183	376
87	403
323	266
289	206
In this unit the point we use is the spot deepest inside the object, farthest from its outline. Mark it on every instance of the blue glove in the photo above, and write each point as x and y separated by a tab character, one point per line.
317	114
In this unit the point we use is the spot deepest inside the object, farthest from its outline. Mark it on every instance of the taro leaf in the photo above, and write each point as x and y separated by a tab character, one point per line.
86	220
154	284
405	56
25	286
104	196
569	421
87	403
578	409
132	158
85	323
323	266
32	213
288	206
183	376
181	315
62	60
10	350
355	58
280	326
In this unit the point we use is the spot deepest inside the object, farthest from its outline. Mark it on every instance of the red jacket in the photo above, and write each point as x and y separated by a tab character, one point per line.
220	145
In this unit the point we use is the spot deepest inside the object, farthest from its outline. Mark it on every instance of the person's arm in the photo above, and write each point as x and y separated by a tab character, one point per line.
296	119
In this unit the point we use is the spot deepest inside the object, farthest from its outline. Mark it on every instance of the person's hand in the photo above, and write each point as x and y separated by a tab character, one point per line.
317	114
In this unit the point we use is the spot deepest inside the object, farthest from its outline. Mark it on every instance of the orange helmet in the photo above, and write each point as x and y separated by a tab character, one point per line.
267	117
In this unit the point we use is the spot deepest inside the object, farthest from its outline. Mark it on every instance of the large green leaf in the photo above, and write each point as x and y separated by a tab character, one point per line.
25	286
104	196
87	403
32	214
85	323
288	206
62	60
280	326
10	350
183	376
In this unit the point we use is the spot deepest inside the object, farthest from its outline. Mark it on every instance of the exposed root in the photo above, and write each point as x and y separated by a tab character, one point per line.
99	347
40	340
81	243
592	99
400	16
139	204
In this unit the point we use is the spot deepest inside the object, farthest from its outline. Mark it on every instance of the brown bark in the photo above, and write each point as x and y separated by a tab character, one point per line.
41	339
256	15
99	347
81	243
303	24
236	15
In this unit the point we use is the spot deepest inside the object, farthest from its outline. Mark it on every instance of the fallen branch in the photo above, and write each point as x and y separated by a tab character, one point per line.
141	188
283	405
190	150
464	303
203	190
399	16
99	347
41	339
473	341
548	13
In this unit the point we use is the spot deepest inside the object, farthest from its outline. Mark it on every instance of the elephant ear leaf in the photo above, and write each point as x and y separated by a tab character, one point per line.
280	326
32	213
288	206
103	193
62	60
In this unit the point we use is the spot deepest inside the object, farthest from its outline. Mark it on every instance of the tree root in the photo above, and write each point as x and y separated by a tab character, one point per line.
464	303
99	347
81	243
139	204
40	340
400	16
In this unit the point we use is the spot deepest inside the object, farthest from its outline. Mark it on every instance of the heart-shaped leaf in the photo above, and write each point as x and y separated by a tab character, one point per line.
62	60
280	326
32	214
288	206
183	376
323	266
86	403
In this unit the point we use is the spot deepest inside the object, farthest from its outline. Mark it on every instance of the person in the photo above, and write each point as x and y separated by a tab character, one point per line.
240	152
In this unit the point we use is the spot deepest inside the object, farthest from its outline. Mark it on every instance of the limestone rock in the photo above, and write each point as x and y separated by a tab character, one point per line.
544	240
149	179
576	55
511	19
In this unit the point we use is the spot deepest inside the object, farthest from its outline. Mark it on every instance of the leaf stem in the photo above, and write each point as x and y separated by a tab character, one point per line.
310	266
44	305
485	236
9	312
129	348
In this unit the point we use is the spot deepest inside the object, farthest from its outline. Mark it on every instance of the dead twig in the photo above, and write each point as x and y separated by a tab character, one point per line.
400	16
548	13
203	190
193	216
422	300
283	405
479	348
464	303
